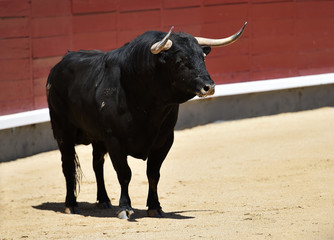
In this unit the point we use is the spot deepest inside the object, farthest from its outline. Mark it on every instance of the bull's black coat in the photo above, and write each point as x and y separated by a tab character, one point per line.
124	102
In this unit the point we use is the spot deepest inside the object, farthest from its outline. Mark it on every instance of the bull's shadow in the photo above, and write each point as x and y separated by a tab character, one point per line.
91	210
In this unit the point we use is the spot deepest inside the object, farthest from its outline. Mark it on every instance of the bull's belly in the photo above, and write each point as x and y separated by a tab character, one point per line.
139	150
83	137
139	155
140	147
137	143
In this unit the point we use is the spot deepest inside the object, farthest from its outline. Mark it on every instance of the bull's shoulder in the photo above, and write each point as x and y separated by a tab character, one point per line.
110	95
83	60
108	86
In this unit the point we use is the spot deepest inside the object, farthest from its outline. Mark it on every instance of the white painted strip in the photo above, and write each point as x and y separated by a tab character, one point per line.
42	115
272	85
24	118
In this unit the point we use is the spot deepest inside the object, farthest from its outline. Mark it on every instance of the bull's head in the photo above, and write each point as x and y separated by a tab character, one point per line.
184	56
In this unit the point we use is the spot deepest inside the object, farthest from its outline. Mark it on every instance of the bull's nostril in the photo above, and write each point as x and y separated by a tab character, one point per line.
206	88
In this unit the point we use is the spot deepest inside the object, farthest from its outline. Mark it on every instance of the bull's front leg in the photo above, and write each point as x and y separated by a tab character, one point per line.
154	163
124	176
120	163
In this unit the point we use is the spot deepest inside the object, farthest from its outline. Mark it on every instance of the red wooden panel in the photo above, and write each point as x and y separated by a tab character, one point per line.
178	3
225	13
47	8
274	10
285	60
51	26
240	47
271	1
220	2
94	22
39	86
273	27
14	48
50	46
273	44
315	9
317	70
14	8
41	66
15	106
14	27
135	5
40	102
127	36
230	77
148	20
272	74
14	69
315	27
237	63
86	6
285	37
316	59
225	29
194	30
314	42
16	90
100	40
181	17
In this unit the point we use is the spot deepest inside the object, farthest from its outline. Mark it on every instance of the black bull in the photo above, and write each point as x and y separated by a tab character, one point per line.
125	102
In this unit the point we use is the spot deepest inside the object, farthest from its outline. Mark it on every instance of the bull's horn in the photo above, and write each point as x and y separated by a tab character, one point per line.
220	42
164	44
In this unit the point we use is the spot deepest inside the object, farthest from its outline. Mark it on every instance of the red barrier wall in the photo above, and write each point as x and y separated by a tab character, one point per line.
283	38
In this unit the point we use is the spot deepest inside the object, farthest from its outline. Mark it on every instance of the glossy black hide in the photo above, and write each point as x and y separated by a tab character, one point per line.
124	102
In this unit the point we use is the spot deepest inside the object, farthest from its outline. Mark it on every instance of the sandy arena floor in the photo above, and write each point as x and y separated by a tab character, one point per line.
262	178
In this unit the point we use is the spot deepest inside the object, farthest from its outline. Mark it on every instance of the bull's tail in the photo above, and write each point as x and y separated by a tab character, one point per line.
77	175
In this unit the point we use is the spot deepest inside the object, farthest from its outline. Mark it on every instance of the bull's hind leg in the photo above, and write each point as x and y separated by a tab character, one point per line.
71	170
98	160
65	133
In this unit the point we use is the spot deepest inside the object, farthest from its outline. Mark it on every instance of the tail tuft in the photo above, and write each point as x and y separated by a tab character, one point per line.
77	175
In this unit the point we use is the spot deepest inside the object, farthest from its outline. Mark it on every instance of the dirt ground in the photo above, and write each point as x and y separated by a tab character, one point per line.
261	178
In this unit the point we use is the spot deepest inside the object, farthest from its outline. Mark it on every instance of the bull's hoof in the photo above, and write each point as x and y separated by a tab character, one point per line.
158	213
104	205
72	210
126	214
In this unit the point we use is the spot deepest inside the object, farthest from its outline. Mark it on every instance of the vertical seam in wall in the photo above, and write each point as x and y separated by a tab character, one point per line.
32	98
295	38
202	18
161	15
71	26
250	39
118	23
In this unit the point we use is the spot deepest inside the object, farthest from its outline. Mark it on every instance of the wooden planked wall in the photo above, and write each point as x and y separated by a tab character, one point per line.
283	38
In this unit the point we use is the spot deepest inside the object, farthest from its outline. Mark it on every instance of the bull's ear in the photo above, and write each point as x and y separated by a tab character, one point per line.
162	57
206	50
